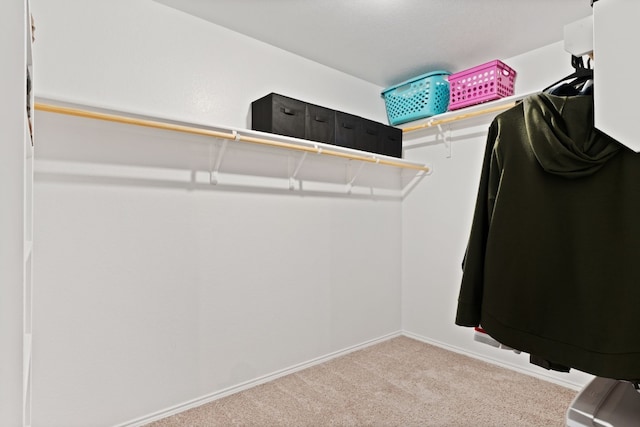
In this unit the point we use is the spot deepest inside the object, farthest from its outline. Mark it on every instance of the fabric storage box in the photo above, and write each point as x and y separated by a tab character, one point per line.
320	124
368	135
379	138
280	115
479	84
346	129
287	116
422	96
391	142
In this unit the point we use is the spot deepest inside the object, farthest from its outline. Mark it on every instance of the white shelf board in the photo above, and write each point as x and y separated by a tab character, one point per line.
456	116
242	155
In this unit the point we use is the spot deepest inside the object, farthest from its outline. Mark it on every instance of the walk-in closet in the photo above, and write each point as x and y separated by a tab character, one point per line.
166	243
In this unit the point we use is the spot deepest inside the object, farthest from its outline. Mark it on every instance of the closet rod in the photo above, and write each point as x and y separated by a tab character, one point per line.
222	135
464	116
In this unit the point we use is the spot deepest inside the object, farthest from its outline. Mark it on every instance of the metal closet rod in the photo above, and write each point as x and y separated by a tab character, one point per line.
222	135
436	122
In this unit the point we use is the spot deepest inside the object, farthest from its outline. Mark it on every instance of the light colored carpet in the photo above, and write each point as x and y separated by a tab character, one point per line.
399	382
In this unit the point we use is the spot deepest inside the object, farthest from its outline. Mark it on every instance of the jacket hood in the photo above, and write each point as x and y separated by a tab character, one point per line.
562	137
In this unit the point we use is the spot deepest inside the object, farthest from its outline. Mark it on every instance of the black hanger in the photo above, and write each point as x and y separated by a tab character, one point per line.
580	82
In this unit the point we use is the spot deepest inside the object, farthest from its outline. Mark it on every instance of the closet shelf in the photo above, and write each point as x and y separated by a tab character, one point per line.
463	114
253	137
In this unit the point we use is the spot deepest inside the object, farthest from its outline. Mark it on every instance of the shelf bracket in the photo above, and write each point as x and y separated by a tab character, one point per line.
213	173
446	138
353	179
293	176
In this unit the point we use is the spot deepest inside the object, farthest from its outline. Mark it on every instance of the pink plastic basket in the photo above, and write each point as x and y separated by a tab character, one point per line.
479	84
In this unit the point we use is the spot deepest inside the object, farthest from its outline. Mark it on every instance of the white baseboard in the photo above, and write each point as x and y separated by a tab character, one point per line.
531	372
252	383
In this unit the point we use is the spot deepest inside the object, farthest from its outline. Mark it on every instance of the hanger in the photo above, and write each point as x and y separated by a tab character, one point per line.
580	82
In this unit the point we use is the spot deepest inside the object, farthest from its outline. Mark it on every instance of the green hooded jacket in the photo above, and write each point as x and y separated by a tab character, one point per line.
552	266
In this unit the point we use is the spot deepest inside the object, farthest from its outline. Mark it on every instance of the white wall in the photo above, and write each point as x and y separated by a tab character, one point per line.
437	215
13	223
151	293
146	57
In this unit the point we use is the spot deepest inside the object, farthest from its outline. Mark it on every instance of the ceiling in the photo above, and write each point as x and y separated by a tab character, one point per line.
388	41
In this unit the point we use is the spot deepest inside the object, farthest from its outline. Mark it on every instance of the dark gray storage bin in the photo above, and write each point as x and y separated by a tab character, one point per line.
391	141
280	115
368	136
346	129
320	124
287	116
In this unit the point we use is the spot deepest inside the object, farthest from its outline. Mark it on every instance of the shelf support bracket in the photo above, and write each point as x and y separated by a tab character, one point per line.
293	176
213	174
446	138
353	179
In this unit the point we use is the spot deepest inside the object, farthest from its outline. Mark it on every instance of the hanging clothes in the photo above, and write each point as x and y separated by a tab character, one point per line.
552	266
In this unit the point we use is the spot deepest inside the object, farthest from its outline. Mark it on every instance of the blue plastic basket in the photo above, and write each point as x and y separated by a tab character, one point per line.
422	96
